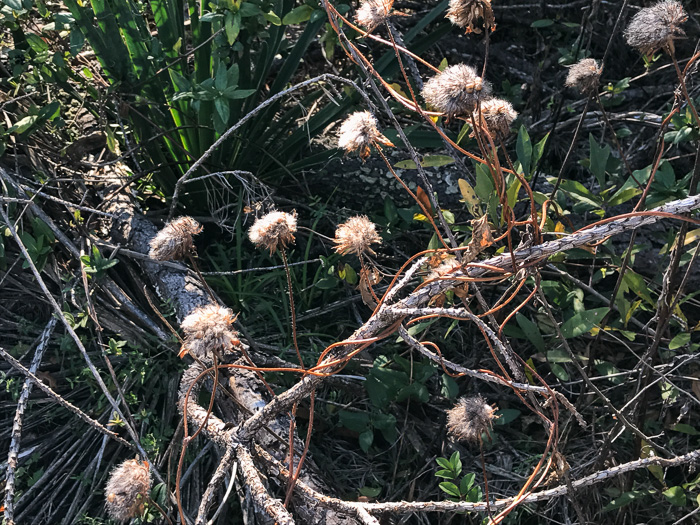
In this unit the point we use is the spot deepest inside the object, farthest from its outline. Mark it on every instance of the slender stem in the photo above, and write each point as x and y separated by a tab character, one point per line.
290	289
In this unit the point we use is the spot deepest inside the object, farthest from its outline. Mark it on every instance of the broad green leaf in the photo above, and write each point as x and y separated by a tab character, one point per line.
506	416
36	43
559	371
366	438
450	488
626	498
435	161
582	322
622	196
531	331
679	341
523	149
370	492
466	483
469	198
298	15
685	429
676	496
272	18
606	369
545	22
232	26
406	165
484	183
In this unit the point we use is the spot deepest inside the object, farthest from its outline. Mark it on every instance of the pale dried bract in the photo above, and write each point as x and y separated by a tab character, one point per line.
456	91
273	229
467	13
359	132
373	13
498	115
208	331
174	241
656	27
356	235
444	269
584	75
127	489
470	418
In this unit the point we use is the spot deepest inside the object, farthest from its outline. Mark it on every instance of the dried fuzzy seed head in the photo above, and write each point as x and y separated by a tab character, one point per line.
445	268
584	75
127	489
174	241
456	91
466	14
356	235
208	330
359	132
373	13
499	115
470	418
656	27
273	229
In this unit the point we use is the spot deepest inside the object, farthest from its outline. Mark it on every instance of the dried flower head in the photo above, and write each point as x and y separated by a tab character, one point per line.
456	90
358	132
208	330
499	115
466	14
584	75
656	27
373	13
356	235
470	417
174	241
127	489
273	229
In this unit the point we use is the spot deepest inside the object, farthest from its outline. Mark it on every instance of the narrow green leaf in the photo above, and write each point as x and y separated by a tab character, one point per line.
582	322
298	15
679	341
523	149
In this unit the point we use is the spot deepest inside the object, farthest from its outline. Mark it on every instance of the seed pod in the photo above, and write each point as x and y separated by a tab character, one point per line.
356	235
208	331
656	27
456	91
127	489
467	13
373	13
174	241
470	418
359	132
273	229
499	115
584	75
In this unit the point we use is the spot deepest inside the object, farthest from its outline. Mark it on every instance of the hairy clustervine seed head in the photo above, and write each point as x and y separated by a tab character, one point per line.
208	330
273	229
466	14
174	241
470	418
127	489
356	235
584	75
656	27
456	91
499	115
359	132
373	13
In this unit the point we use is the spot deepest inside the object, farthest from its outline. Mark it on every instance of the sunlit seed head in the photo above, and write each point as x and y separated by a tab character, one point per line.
127	489
373	13
356	235
456	91
499	115
359	132
273	229
470	418
468	13
208	331
656	27
584	75
174	241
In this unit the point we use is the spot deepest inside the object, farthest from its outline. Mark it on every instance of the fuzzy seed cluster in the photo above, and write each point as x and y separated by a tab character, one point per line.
498	115
359	132
208	331
656	27
456	91
470	418
174	241
584	75
127	489
273	229
356	235
467	13
373	13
